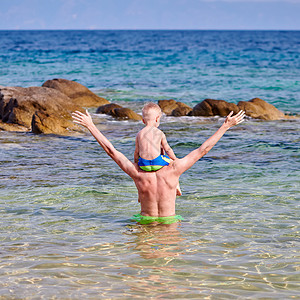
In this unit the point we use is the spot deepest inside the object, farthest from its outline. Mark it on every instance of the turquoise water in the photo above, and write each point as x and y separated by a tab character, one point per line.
66	207
145	65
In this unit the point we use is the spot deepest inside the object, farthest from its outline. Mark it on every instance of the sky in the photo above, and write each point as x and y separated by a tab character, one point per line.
150	14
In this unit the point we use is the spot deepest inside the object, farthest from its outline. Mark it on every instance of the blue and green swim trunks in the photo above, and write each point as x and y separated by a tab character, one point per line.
154	164
163	220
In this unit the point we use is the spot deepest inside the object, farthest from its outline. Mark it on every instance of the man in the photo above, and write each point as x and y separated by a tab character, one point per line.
157	190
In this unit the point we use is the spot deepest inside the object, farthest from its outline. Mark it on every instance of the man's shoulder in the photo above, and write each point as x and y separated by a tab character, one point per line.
175	164
171	167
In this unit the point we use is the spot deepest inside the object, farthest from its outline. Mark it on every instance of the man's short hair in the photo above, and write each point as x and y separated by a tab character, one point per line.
150	109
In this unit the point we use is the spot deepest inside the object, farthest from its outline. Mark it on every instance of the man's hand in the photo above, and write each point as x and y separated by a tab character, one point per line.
82	119
235	120
123	162
185	163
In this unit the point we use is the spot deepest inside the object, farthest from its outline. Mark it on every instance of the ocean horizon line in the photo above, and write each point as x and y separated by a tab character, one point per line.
149	29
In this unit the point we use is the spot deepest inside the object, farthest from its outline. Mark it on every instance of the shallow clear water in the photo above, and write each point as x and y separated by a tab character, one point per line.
65	207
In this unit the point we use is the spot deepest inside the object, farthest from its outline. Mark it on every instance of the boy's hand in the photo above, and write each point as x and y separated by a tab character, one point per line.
235	120
82	119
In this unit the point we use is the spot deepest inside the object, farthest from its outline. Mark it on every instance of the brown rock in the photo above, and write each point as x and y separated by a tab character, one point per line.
12	127
80	94
211	107
260	109
174	108
107	108
181	110
125	113
167	106
18	105
42	122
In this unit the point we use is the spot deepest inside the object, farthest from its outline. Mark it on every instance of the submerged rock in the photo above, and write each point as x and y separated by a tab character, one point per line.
254	108
117	111
80	94
107	108
167	106
181	110
260	109
125	114
211	107
174	108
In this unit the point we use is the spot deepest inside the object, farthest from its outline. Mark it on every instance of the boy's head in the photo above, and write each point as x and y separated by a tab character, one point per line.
151	113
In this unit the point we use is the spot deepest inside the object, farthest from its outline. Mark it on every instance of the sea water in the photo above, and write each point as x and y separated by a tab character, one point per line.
65	207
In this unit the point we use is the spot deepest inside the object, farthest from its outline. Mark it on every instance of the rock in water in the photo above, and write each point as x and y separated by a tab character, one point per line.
12	127
18	105
125	114
42	122
167	106
181	110
211	107
174	108
107	108
80	94
260	109
117	111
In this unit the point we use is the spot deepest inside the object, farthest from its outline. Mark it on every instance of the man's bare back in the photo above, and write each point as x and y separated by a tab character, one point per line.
157	190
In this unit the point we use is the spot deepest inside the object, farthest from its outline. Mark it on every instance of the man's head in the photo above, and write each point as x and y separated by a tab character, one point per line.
151	113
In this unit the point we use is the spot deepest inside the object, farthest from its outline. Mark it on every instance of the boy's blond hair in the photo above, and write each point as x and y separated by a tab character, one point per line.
150	111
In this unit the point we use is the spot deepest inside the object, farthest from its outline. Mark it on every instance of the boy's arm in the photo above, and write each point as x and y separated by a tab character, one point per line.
167	147
183	164
136	151
123	162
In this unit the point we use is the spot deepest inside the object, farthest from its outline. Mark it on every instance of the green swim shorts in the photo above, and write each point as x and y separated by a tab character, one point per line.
163	220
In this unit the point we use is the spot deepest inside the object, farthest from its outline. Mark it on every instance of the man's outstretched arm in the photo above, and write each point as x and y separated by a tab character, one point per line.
189	160
123	162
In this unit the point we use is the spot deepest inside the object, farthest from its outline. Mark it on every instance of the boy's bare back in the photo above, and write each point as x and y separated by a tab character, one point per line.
149	141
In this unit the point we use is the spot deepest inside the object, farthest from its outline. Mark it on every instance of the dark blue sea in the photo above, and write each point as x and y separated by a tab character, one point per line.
65	207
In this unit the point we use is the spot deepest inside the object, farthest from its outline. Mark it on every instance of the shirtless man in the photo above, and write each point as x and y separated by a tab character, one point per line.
157	190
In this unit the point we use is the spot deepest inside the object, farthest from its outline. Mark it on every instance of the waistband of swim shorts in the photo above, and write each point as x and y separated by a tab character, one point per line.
163	220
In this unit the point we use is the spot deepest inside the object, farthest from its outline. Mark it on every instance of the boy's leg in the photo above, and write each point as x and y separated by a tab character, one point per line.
178	190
